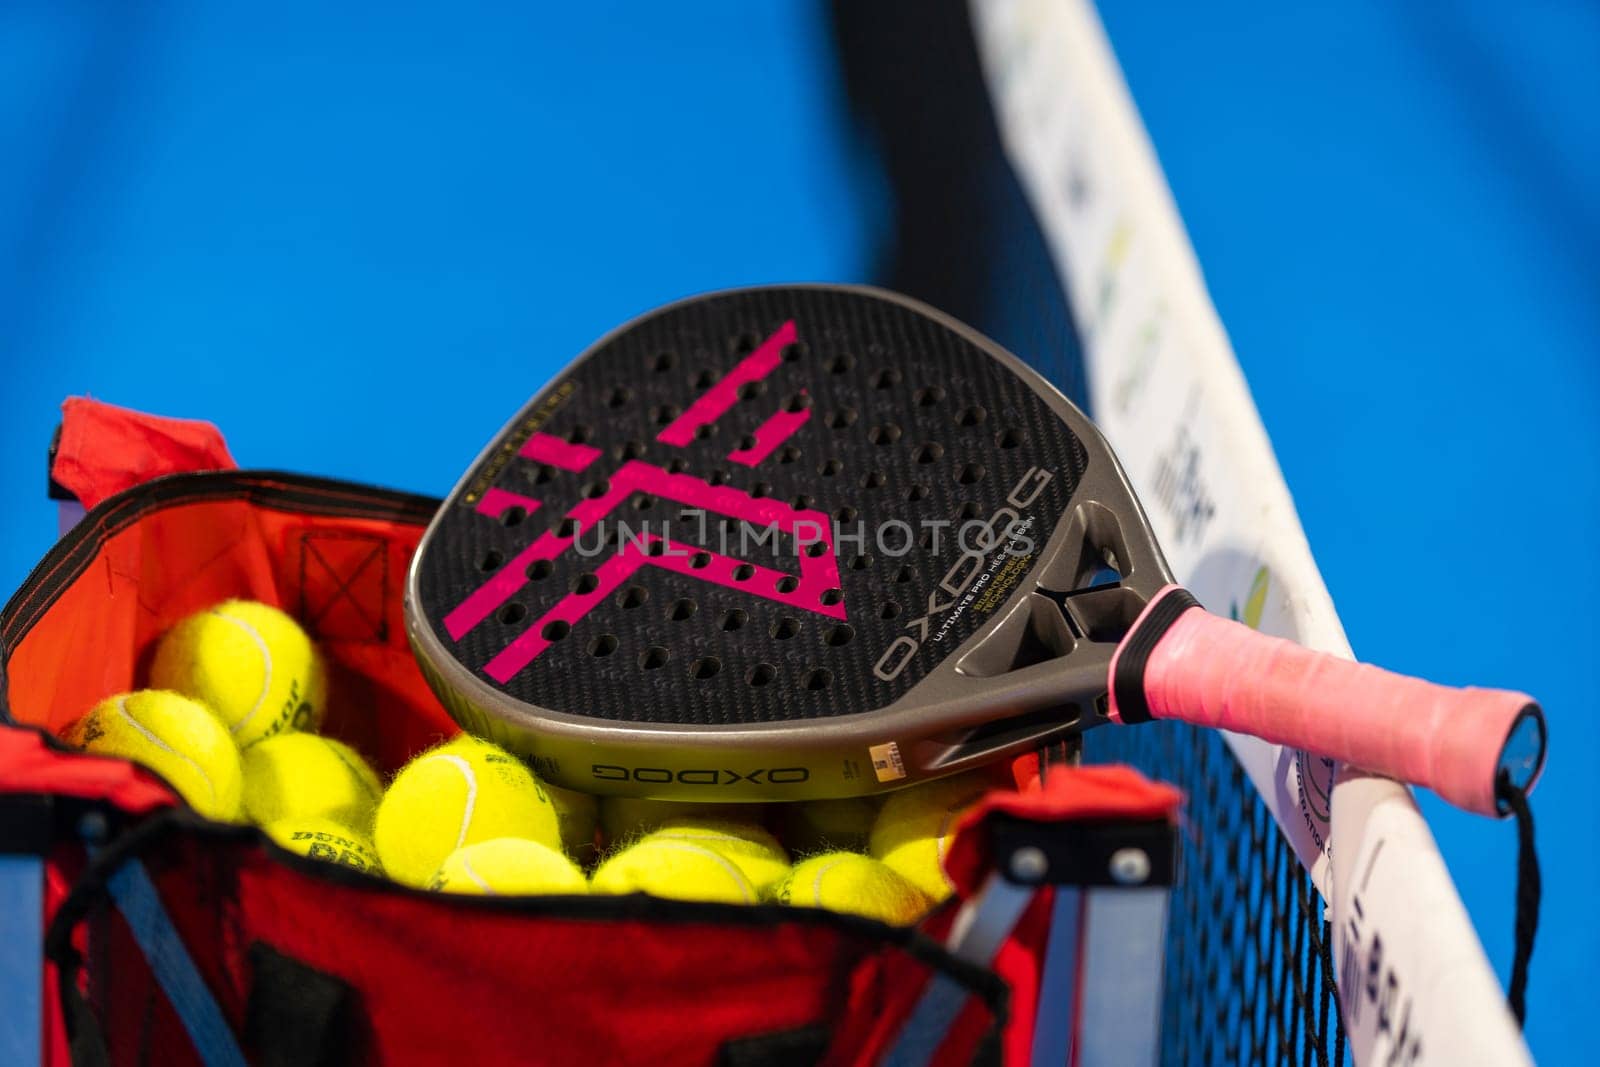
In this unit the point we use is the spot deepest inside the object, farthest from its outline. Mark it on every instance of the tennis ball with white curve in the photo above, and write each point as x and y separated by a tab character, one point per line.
576	812
250	663
757	854
454	795
176	737
678	870
508	867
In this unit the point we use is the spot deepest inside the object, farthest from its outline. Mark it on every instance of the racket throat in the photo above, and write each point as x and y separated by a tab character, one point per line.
1026	731
1047	625
1049	650
1101	614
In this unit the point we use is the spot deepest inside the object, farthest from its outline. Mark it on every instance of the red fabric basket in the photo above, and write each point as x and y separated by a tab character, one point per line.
311	962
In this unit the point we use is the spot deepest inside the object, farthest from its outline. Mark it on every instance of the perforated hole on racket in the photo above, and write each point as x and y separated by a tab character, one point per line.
818	541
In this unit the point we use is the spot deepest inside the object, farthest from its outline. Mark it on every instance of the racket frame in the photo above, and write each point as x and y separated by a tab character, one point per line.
971	710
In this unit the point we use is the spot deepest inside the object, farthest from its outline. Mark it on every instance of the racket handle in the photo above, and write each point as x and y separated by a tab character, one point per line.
1178	661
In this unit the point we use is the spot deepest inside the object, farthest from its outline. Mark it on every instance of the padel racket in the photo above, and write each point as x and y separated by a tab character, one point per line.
819	541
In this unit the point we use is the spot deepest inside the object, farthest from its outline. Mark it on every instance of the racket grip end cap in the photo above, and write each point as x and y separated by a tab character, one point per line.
1478	739
1522	755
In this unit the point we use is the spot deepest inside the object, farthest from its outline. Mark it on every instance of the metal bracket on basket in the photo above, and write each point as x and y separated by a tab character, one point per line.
1101	979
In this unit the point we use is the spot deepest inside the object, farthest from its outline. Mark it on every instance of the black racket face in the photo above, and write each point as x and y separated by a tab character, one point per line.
761	524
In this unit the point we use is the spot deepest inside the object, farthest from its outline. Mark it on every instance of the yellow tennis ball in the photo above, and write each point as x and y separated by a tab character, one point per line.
757	854
249	663
680	870
576	812
827	825
298	775
455	795
324	839
856	884
625	819
178	738
508	867
915	826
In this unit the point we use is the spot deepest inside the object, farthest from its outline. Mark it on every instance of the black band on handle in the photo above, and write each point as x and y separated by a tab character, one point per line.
1128	685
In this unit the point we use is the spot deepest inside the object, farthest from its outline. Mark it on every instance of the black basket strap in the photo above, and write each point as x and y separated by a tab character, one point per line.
804	1046
298	1016
86	1042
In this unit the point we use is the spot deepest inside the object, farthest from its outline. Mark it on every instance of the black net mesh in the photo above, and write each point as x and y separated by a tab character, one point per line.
1249	967
1249	973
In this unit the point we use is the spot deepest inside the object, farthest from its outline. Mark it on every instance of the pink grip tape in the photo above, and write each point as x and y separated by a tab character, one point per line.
1214	672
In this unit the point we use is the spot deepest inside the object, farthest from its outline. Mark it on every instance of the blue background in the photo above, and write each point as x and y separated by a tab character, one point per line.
330	232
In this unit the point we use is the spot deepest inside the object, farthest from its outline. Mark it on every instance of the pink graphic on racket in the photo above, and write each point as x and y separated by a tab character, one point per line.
814	541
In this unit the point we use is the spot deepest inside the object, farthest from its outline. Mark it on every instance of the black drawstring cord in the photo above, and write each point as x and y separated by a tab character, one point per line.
1528	892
